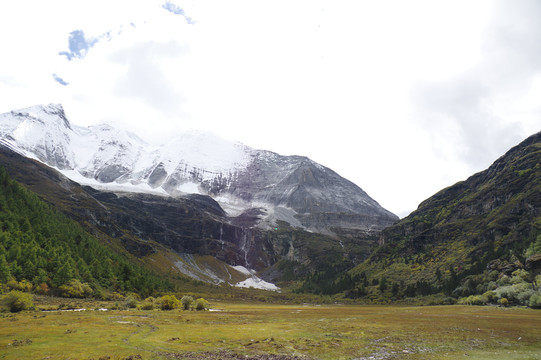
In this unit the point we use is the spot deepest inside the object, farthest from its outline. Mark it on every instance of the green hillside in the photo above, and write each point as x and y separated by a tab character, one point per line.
42	249
478	240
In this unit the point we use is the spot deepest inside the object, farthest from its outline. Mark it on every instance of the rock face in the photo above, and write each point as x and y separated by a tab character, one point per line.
242	180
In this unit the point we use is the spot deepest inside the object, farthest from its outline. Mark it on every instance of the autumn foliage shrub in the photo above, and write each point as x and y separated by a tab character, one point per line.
169	302
201	304
16	301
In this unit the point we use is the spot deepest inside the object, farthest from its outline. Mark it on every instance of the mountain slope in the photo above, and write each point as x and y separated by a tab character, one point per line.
461	234
188	235
49	251
243	180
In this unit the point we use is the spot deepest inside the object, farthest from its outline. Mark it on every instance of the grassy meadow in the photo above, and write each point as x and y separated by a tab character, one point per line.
254	330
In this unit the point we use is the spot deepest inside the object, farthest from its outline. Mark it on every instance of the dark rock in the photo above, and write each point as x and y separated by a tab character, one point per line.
533	263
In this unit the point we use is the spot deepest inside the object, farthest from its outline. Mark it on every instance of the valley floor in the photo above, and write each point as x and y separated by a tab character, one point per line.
274	332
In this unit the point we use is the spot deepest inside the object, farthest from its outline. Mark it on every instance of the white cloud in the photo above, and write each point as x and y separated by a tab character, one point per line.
330	80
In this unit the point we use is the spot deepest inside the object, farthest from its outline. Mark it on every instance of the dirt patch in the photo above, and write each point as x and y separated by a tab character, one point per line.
21	342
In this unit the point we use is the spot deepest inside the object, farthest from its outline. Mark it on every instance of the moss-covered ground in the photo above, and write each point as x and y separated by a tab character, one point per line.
255	330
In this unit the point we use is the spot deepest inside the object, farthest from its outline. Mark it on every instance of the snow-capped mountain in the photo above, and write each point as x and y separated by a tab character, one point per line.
255	185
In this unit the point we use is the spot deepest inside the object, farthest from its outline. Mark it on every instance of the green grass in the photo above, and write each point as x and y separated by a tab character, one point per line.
318	332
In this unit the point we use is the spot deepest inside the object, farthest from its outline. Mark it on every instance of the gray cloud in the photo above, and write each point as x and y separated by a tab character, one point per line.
511	58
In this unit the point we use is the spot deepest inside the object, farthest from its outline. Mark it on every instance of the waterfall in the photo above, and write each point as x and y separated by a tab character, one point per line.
243	248
221	234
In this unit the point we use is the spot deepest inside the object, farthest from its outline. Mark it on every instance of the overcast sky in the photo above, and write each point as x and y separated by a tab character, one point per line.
401	97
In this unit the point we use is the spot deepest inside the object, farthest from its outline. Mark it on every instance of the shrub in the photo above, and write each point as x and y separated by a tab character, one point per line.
492	285
148	304
23	285
473	300
537	280
518	293
42	288
504	281
201	304
490	296
169	302
75	289
522	274
16	301
535	301
524	296
131	302
493	275
187	302
503	302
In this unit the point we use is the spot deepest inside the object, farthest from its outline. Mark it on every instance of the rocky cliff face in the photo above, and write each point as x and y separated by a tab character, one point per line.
242	180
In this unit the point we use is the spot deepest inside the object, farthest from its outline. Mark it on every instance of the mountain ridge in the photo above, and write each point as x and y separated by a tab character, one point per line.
469	238
188	235
294	189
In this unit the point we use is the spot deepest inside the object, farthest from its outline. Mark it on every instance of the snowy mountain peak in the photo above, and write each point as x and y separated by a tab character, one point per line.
243	180
52	114
207	151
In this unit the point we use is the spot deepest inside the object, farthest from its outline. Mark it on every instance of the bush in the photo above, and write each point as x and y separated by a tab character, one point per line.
148	304
23	285
201	304
131	302
16	301
504	281
517	294
492	285
473	300
490	296
520	274
503	302
187	302
75	289
535	301
42	289
169	302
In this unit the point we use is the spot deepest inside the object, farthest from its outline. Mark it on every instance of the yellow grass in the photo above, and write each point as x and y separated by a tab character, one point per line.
318	332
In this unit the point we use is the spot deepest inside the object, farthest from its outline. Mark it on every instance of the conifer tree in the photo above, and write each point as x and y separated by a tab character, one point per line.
5	272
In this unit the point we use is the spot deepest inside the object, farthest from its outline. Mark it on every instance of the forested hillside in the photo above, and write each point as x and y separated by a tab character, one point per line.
43	250
478	240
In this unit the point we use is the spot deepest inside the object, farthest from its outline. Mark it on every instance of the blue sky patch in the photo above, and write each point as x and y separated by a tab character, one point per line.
177	10
78	45
59	80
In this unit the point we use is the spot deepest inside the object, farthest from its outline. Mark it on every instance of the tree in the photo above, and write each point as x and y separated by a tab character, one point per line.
535	247
383	284
394	289
41	277
201	304
438	274
186	302
74	288
170	302
64	274
16	301
5	272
